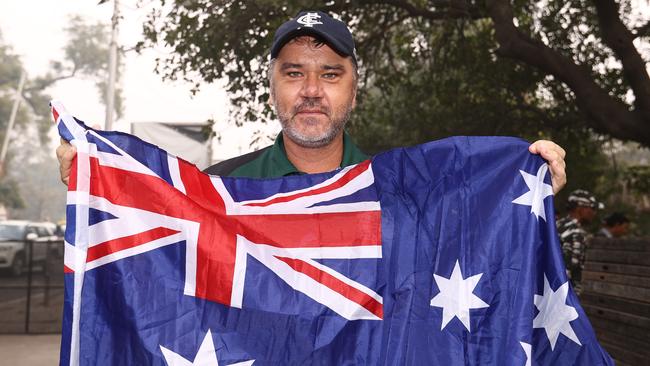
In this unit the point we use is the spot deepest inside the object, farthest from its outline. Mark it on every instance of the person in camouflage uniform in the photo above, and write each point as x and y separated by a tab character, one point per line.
582	209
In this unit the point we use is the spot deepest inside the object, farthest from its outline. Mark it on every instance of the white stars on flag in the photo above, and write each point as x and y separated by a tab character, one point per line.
528	351
537	191
554	314
206	355
456	296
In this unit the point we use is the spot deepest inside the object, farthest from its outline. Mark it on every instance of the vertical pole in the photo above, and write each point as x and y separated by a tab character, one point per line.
12	119
112	69
46	272
210	142
28	303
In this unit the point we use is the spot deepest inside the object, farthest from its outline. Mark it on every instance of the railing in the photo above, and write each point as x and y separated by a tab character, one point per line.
31	297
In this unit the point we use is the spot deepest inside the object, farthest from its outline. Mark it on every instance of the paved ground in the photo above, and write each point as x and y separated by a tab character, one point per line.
29	350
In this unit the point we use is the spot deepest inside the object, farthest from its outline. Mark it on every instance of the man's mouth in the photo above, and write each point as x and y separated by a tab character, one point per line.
308	108
310	111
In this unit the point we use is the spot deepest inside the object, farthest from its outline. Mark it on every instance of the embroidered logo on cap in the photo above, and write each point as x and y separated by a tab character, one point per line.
309	19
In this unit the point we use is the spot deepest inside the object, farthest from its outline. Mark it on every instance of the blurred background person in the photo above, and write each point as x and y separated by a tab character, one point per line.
615	225
582	208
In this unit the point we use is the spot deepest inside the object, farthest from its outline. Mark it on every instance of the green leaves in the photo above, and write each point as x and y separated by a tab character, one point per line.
428	69
86	53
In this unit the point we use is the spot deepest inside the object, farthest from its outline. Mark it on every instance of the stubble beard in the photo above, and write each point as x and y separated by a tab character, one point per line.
338	120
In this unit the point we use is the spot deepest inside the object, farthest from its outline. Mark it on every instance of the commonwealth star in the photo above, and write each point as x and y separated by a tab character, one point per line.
456	296
206	355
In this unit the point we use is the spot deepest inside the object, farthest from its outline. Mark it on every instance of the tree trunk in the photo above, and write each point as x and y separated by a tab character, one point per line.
606	114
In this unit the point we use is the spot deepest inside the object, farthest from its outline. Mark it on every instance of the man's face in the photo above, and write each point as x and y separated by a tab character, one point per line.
587	214
313	91
619	229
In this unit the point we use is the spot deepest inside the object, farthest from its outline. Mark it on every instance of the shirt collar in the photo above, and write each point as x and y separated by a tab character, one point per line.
282	165
606	232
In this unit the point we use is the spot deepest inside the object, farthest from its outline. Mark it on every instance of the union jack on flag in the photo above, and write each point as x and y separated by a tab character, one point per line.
421	256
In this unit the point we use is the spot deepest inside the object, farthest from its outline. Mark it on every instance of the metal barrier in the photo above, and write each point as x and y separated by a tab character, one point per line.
32	301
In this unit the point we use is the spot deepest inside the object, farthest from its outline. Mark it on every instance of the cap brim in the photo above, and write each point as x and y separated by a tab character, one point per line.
306	31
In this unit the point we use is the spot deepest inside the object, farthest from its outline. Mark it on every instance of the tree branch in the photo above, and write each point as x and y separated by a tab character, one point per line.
451	9
361	44
606	114
27	100
620	40
45	83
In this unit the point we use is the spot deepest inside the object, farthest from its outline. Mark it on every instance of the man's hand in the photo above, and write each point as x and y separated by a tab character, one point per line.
548	150
554	154
65	153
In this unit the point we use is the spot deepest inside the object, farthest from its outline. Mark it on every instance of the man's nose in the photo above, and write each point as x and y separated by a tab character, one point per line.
312	87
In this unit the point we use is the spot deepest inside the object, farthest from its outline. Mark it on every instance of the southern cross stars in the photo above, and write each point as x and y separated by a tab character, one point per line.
206	355
527	350
537	191
554	314
456	297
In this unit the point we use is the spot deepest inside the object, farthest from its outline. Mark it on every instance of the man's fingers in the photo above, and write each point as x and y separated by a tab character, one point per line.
545	146
561	150
65	153
554	154
558	175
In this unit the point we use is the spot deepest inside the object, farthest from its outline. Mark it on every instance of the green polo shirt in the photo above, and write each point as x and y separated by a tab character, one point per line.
272	162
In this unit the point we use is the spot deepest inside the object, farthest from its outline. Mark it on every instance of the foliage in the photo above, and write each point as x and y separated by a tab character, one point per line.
8	196
434	68
566	71
42	191
85	54
623	184
638	178
10	71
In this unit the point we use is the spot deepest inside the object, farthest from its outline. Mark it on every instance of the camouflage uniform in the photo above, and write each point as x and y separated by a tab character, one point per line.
574	240
573	236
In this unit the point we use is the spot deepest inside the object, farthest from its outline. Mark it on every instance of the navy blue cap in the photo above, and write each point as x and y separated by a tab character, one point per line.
616	218
334	32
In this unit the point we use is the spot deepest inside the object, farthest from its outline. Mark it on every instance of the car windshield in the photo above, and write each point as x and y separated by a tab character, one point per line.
12	232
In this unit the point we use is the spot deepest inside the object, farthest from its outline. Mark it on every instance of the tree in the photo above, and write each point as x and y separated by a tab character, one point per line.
572	64
85	54
10	71
606	113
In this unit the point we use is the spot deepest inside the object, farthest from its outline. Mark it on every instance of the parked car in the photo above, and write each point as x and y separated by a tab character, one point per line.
14	252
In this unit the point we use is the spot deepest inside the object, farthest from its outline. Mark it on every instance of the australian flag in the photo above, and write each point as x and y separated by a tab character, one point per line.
440	254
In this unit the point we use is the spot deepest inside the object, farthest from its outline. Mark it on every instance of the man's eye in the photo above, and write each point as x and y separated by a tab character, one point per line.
330	75
294	74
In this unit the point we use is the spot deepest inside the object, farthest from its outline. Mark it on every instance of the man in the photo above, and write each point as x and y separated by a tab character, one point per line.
615	225
582	208
313	81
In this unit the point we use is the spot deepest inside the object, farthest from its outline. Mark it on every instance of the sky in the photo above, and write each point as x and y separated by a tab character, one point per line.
35	30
